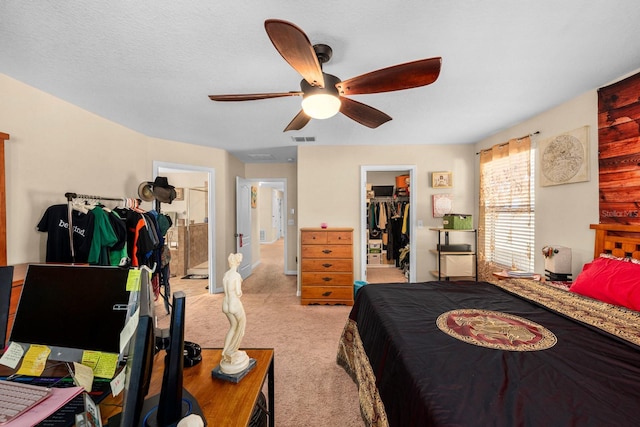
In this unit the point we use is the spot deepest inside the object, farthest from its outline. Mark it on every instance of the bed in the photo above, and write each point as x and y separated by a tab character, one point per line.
507	353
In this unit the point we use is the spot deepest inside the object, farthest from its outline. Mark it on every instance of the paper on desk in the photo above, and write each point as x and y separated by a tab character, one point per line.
35	415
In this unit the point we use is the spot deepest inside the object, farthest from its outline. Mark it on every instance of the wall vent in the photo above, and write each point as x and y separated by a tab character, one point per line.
303	138
261	156
263	235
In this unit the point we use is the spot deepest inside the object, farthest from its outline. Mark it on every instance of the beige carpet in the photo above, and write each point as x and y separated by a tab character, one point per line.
310	388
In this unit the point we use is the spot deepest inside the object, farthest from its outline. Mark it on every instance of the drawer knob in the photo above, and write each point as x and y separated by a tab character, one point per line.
326	294
326	279
327	251
327	265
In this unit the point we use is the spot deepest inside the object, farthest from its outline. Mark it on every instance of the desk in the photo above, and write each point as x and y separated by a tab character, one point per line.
224	404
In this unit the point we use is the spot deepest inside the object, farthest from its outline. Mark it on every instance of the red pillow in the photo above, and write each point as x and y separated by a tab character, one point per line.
610	280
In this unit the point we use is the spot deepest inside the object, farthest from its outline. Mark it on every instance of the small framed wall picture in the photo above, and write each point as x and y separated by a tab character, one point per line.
442	205
442	179
254	196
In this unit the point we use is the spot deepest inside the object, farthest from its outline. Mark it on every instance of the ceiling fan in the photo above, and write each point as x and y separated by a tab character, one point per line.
324	95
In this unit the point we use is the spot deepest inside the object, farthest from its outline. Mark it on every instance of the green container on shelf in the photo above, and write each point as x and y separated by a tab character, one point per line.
457	221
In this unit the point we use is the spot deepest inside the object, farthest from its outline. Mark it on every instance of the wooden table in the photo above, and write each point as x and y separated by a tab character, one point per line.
223	403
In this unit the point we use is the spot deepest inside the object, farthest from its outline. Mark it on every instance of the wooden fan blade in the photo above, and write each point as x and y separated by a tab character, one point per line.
295	47
253	96
398	77
298	122
362	113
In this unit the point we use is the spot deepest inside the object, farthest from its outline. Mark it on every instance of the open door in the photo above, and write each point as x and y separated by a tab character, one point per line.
243	225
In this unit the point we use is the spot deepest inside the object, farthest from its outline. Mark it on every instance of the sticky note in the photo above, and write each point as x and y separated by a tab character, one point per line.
129	329
83	376
133	280
106	366
90	358
34	360
117	384
12	356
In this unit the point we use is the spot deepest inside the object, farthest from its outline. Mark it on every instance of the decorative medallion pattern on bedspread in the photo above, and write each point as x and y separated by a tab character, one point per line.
496	330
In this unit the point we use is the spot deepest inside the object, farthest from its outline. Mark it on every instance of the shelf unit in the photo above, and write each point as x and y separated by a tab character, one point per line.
454	265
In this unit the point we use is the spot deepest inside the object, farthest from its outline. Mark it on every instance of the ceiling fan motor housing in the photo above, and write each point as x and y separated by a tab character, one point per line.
329	88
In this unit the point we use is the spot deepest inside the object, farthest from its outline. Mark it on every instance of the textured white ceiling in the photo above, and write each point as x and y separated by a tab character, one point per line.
149	65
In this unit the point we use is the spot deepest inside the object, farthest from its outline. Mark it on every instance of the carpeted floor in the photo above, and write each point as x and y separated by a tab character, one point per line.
310	388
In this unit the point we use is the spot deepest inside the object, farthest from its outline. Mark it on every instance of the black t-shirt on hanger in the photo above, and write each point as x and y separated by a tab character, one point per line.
55	222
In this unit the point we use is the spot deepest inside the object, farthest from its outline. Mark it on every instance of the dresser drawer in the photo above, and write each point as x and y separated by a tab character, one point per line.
313	237
328	293
326	278
339	237
326	251
337	265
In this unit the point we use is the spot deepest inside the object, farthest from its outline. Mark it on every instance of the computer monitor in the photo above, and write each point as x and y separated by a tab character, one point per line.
141	351
72	309
173	402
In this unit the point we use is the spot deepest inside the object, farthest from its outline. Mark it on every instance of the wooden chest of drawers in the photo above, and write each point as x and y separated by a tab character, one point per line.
326	265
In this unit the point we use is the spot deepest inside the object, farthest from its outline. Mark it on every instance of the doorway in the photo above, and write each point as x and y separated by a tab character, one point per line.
267	221
396	265
192	239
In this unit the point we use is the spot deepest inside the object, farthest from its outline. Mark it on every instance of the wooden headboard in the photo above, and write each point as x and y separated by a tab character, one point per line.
619	240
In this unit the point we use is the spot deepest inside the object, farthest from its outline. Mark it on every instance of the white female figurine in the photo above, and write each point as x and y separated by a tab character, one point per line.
233	360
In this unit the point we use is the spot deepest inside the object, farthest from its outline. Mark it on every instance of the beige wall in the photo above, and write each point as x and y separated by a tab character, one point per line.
56	147
329	189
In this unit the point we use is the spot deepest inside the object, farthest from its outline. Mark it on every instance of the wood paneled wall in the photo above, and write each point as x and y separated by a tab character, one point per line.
619	151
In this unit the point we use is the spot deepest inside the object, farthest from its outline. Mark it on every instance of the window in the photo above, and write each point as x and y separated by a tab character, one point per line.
507	205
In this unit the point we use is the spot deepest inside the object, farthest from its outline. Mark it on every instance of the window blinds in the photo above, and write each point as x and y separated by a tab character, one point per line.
507	205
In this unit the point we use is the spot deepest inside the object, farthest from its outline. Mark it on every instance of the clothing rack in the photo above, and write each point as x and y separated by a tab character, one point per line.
70	196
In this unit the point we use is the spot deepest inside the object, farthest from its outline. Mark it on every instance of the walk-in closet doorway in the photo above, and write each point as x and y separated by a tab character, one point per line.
384	175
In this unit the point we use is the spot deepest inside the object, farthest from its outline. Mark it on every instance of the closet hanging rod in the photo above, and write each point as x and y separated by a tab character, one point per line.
71	196
390	199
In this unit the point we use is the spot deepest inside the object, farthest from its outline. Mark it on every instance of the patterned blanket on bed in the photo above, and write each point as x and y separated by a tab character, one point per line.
353	357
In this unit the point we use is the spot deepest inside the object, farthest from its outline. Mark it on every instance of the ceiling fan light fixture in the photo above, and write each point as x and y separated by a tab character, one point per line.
321	102
321	105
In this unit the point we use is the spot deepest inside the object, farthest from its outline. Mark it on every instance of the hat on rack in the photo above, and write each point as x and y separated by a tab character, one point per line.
145	191
162	191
